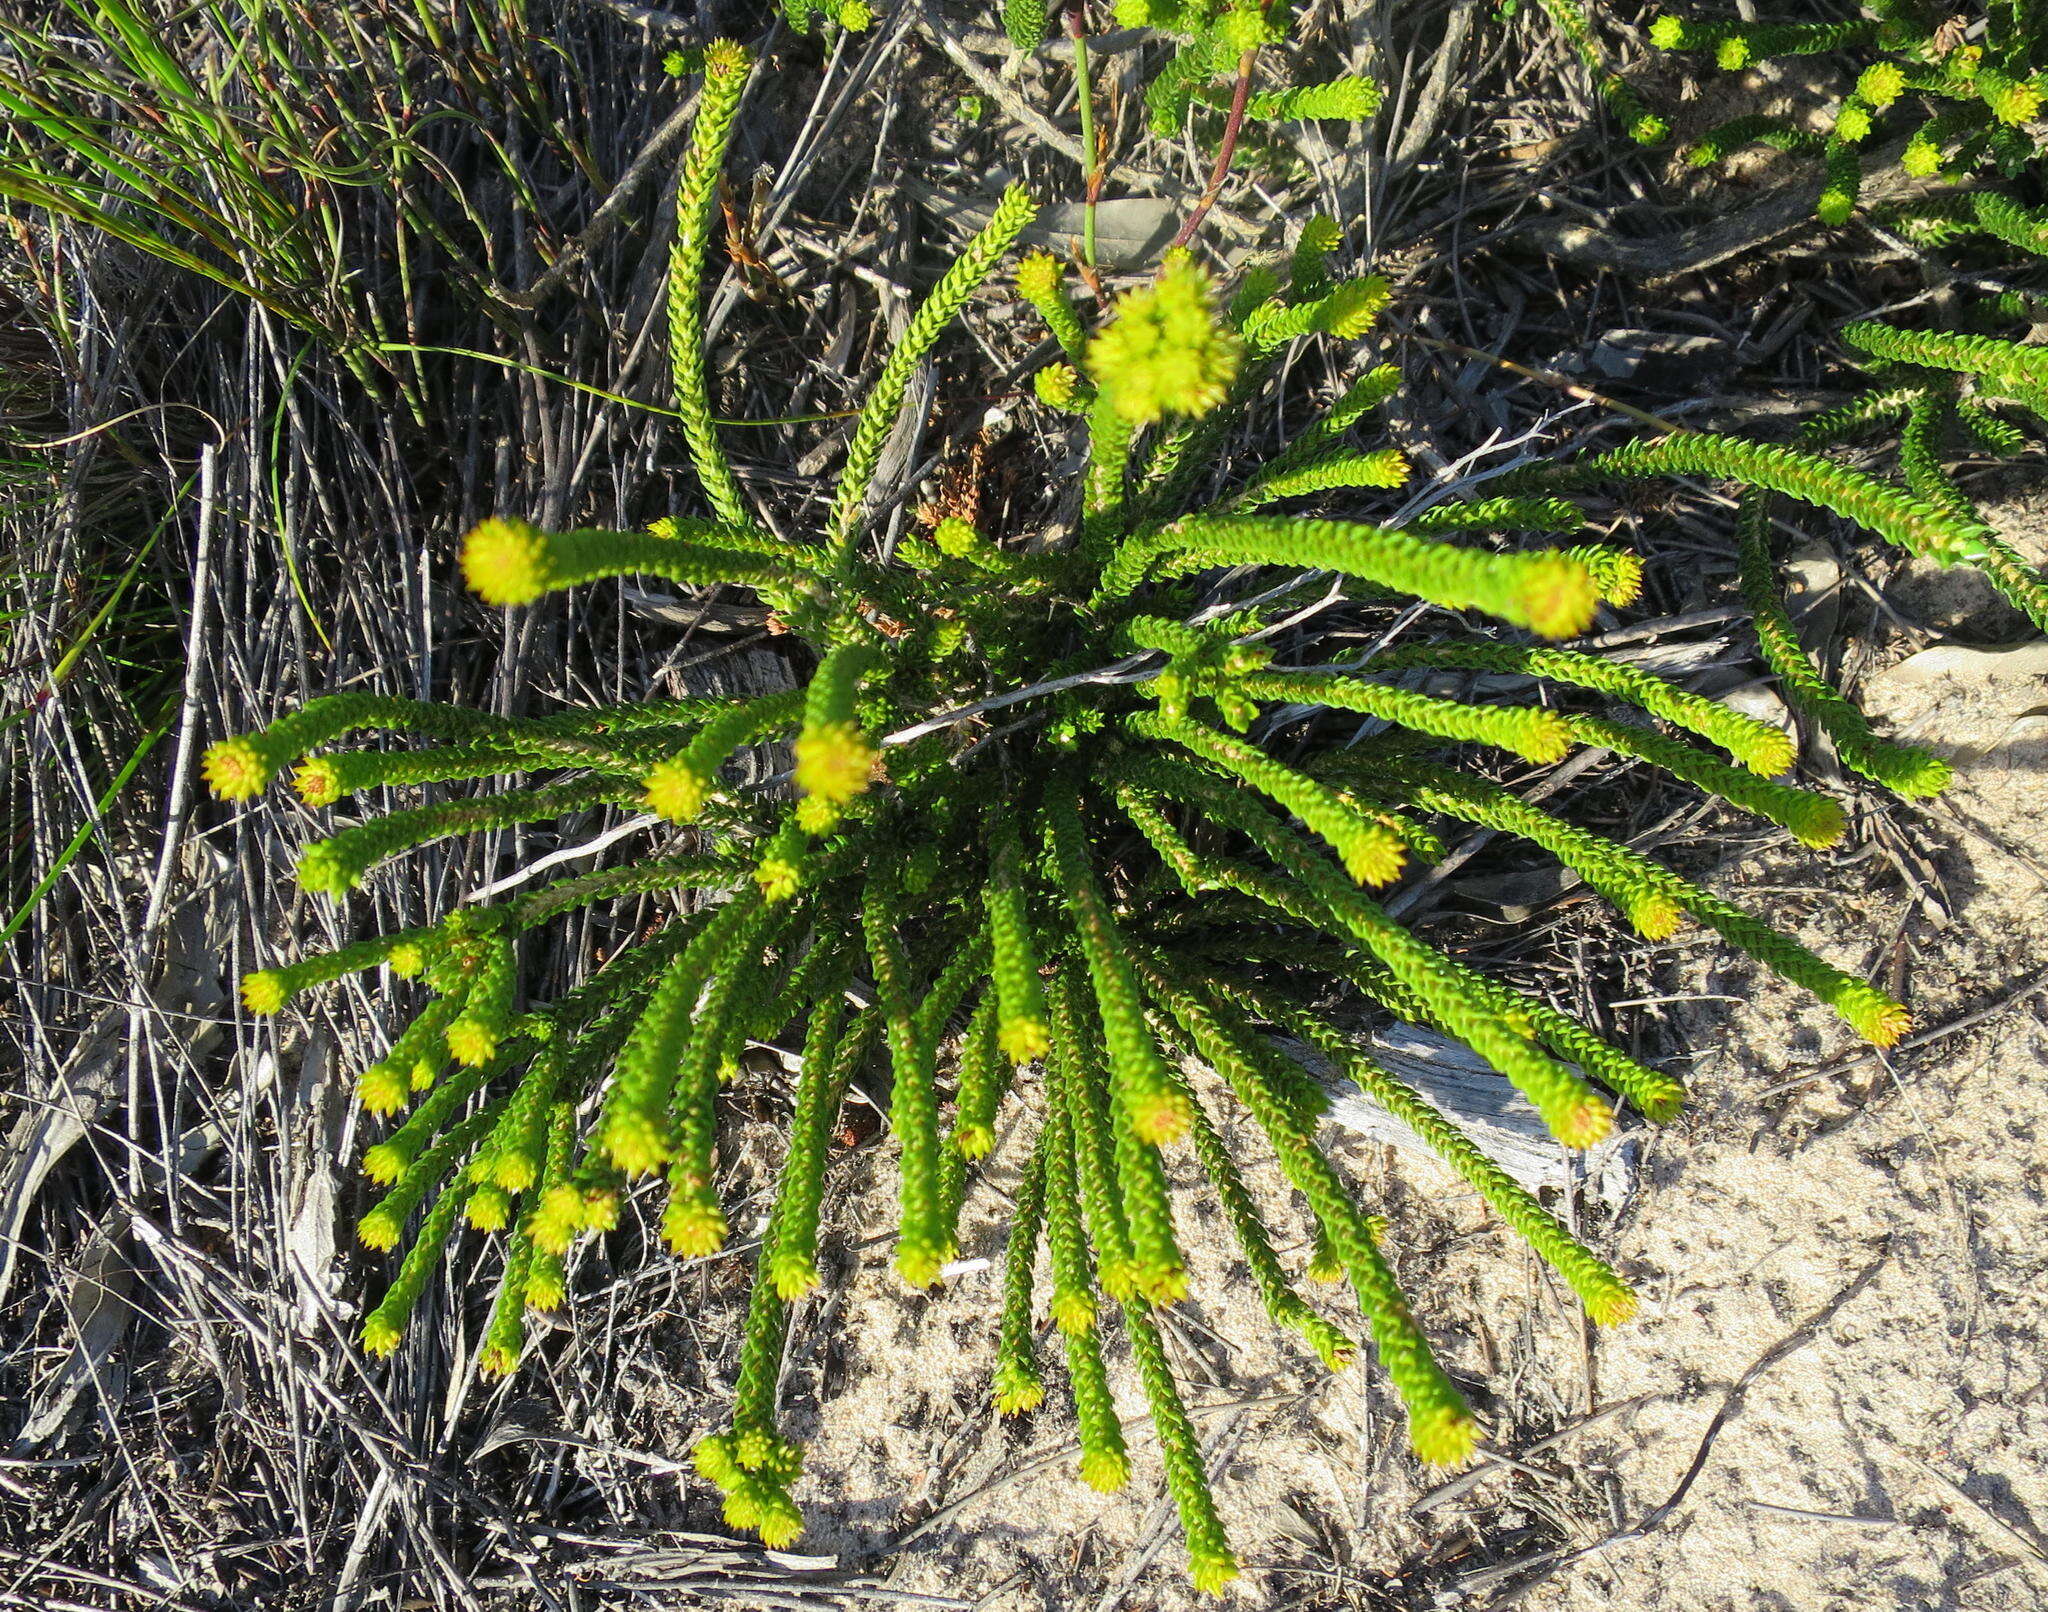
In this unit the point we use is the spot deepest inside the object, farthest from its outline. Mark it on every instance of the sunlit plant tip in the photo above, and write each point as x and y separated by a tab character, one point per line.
1165	352
505	561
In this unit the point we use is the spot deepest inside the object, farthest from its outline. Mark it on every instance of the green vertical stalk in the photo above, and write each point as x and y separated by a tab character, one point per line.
1090	160
725	80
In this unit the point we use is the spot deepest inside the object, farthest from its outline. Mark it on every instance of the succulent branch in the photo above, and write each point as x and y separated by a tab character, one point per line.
1012	919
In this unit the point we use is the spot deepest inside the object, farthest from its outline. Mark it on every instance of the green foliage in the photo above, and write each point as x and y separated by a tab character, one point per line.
1531	732
2003	365
1902	768
828	16
1216	40
294	167
833	1048
1024	21
1898	516
1964	100
1211	1564
1967	101
1570	18
1756	744
2001	216
1044	285
1351	99
725	81
1939	387
979	900
1606	1296
922	1245
1547	591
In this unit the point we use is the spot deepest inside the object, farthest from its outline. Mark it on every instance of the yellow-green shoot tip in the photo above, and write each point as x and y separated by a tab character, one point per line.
791	1276
816	815
488	1208
1610	1303
834	762
495	1360
264	991
384	1163
1558	596
1544	737
692	1227
235	769
634	1143
383	1088
1767	751
724	57
1162	1284
973	1141
321	872
1581	1123
544	1288
318	781
1166	352
515	1168
1881	84
954	537
675	790
919	1263
505	562
1160	1117
1073	1313
1373	855
1058	386
408	960
1916	774
1874	1016
1352	307
778	877
599	1210
557	1219
1023	1039
1105	1471
781	1523
1017	1392
1038	276
379	1229
1210	1570
1817	821
2012	102
471	1042
1656	917
1443	1435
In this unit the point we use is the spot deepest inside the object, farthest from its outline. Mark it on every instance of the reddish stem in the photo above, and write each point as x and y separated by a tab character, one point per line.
1094	142
1239	98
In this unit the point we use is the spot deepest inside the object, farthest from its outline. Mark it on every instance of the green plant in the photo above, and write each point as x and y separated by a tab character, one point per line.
852	16
1972	99
1929	517
1217	50
1031	816
1945	392
1570	19
1968	96
1217	44
293	155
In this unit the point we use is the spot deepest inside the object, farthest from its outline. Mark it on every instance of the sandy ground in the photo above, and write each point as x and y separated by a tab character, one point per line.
1837	1395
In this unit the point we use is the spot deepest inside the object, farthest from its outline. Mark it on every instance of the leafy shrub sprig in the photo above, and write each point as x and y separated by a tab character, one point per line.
1971	99
971	902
